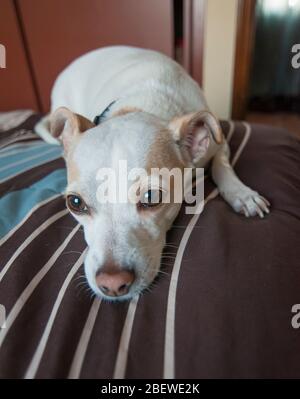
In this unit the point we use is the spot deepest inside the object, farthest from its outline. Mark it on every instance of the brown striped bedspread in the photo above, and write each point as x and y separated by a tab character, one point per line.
221	309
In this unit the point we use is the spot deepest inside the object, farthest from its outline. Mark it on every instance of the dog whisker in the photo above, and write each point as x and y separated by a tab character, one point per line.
171	245
81	290
164	273
81	283
79	277
87	290
69	228
72	252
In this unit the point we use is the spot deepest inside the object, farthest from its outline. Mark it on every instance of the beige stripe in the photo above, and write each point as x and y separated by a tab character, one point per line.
26	217
35	362
24	137
23	298
230	131
169	365
12	119
30	238
121	361
29	168
25	147
243	143
79	356
20	144
169	354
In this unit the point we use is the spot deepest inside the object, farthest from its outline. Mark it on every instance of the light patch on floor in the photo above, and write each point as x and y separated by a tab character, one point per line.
288	121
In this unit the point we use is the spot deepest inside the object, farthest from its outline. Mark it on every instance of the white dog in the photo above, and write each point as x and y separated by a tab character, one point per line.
153	115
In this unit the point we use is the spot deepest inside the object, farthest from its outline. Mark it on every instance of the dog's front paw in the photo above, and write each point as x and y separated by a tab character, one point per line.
248	202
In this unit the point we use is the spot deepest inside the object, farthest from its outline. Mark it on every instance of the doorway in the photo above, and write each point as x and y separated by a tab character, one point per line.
267	75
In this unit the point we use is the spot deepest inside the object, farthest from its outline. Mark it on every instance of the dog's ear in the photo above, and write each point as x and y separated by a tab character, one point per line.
65	125
193	133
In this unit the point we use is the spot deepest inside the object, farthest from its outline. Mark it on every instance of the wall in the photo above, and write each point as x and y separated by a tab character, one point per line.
219	51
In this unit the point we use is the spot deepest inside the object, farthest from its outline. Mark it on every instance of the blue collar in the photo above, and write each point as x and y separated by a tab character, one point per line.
99	118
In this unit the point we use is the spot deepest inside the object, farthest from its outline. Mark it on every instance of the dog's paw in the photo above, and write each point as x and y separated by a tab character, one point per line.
248	202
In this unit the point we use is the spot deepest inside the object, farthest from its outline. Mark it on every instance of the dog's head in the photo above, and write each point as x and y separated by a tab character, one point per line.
126	235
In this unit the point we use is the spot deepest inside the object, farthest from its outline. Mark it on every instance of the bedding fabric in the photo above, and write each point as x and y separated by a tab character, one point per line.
221	309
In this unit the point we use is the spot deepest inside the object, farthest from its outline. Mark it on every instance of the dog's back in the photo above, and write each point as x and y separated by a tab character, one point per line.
99	77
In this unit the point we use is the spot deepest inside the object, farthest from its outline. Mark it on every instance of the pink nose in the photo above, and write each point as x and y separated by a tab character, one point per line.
116	283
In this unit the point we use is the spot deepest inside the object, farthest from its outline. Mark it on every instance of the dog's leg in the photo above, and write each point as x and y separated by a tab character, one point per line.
242	198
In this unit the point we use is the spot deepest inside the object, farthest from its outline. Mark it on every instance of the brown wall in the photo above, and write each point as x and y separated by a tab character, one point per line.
59	31
16	89
44	36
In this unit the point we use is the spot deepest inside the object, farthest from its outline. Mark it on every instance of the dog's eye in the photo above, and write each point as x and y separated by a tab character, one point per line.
76	204
150	198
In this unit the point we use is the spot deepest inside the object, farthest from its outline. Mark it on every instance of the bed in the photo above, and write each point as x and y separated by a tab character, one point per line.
223	307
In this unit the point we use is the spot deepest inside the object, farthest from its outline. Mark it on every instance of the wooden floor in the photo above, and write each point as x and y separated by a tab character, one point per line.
288	121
